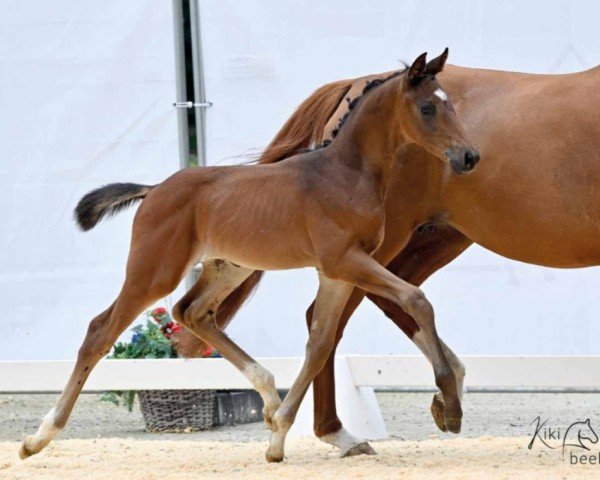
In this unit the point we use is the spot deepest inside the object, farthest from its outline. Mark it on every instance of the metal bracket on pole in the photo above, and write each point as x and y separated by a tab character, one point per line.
192	104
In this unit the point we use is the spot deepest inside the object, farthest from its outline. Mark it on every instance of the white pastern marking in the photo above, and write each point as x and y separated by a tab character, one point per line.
47	429
342	439
441	95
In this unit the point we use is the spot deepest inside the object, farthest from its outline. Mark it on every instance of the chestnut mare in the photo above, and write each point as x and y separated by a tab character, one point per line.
535	198
325	209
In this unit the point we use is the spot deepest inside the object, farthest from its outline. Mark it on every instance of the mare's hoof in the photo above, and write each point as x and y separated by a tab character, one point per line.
453	424
437	411
361	449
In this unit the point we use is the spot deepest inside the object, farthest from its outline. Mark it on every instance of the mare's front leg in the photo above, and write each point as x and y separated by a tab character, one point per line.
330	301
365	272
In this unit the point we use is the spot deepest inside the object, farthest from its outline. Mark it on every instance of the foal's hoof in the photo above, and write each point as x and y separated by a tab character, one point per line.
273	458
360	449
453	424
24	451
437	411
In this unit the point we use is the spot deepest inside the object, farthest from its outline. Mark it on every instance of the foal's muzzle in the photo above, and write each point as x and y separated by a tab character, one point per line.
462	160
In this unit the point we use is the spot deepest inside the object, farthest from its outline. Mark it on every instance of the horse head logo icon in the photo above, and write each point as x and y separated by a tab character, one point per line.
579	435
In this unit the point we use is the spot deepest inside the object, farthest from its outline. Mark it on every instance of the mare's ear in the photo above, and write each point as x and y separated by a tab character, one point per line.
436	65
417	69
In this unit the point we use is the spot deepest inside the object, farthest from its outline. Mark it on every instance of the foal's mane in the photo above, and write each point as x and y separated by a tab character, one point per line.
309	120
352	103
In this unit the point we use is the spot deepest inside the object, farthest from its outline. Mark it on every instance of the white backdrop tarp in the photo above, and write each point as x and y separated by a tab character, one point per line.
85	97
263	57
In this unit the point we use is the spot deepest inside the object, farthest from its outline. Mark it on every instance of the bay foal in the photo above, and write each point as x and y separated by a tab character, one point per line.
323	208
535	199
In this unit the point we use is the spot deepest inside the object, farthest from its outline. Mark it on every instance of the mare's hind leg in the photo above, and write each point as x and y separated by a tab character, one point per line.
197	311
154	269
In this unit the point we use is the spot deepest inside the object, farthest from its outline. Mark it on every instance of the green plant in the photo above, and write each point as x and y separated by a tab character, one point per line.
152	340
156	339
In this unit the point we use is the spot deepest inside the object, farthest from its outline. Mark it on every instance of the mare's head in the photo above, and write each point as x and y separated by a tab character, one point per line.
428	119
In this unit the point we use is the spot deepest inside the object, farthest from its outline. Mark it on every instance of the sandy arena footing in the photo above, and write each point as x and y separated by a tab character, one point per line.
128	459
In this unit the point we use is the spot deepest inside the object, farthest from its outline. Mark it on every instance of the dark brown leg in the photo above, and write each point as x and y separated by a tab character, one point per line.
425	254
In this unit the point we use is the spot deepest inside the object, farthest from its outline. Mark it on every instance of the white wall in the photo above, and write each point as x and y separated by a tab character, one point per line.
85	94
263	57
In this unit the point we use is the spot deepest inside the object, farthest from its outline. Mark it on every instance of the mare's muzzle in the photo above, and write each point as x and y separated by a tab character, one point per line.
462	160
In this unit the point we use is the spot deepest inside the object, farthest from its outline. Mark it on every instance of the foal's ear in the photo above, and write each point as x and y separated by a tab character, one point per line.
436	65
417	69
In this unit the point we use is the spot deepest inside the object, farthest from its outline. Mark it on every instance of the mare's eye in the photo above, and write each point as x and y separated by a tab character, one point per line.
428	109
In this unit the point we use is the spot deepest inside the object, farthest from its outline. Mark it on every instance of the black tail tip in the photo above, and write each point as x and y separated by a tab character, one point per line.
107	201
84	213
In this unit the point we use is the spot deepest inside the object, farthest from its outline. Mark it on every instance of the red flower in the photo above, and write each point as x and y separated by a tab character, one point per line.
176	328
158	311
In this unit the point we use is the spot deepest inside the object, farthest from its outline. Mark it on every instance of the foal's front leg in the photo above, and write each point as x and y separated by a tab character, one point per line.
365	272
330	301
423	256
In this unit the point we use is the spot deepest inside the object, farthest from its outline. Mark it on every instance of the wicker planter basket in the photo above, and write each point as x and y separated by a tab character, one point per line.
177	410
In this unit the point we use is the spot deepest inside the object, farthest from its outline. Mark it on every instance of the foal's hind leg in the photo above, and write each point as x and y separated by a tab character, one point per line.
197	311
149	278
102	333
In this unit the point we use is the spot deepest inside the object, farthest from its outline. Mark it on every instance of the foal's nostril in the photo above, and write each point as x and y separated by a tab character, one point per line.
471	159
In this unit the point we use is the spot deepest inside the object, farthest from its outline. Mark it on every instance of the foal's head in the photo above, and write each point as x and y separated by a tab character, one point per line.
428	119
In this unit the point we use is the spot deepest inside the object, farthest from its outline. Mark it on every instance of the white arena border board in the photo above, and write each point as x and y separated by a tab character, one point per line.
356	376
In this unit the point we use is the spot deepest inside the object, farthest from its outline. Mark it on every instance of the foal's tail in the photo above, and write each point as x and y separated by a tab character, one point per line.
107	201
303	128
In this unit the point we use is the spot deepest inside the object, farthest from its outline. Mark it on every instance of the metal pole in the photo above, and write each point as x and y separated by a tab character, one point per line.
182	113
200	102
182	121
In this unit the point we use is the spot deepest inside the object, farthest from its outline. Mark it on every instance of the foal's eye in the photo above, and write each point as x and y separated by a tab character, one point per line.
428	109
